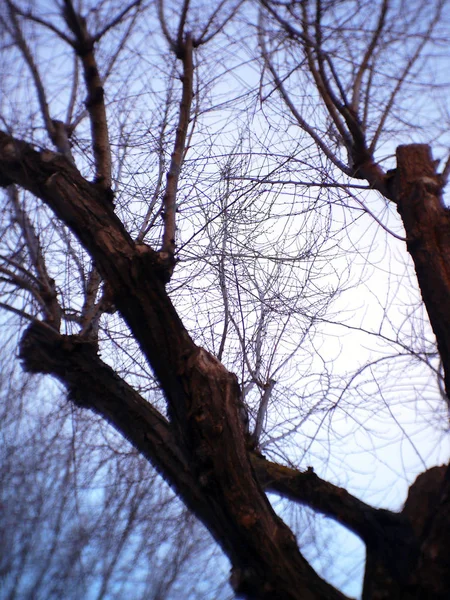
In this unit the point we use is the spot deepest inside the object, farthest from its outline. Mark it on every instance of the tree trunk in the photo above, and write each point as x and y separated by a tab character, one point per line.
427	576
417	190
203	397
203	452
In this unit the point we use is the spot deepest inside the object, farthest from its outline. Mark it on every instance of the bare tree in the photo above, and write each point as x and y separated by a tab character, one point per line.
141	184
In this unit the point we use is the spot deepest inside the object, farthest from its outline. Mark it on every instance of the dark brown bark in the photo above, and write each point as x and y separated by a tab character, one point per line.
203	397
388	533
399	546
92	384
417	190
428	578
202	451
428	510
185	54
407	553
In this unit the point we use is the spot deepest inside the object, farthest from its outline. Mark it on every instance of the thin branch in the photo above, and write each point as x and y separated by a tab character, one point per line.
20	313
90	313
108	68
73	92
403	75
22	282
95	385
368	55
333	105
295	113
353	137
204	37
47	24
115	21
222	278
147	222
377	528
262	410
28	57
375	218
446	170
47	286
95	101
173	176
163	23
343	186
182	25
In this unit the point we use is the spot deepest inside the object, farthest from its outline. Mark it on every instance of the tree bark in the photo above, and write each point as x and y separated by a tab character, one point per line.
407	557
202	450
203	397
417	190
428	576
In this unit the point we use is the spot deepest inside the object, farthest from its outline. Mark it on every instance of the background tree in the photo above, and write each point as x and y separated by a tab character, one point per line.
149	175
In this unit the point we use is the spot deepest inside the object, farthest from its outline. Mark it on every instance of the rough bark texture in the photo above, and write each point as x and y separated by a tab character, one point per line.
202	450
428	575
428	510
203	397
406	553
417	189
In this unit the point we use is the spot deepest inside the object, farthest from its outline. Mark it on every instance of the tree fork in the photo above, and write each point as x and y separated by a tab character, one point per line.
203	397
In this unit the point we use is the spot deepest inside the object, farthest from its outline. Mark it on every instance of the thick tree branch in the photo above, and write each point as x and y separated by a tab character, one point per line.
92	384
428	509
377	528
203	396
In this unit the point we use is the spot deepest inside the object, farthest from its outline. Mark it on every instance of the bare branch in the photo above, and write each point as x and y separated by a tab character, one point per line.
47	285
295	113
148	221
47	24
374	526
262	410
181	27
95	101
367	57
203	396
90	313
23	47
402	76
204	36
116	20
165	29
173	176
93	384
73	91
